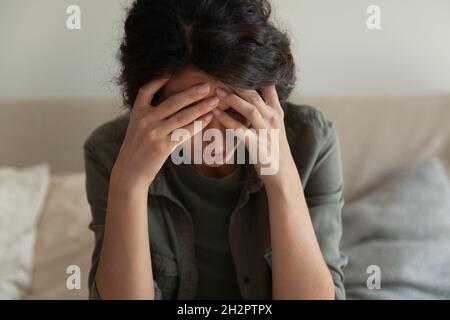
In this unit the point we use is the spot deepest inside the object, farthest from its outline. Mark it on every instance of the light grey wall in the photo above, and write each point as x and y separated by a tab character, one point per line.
334	50
338	54
40	57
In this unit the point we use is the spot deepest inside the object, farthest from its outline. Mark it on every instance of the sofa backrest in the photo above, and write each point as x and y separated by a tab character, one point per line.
379	134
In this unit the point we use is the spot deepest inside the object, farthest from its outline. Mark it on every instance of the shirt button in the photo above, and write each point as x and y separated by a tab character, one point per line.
246	280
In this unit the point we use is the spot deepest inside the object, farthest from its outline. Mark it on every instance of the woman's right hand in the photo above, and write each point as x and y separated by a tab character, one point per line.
147	142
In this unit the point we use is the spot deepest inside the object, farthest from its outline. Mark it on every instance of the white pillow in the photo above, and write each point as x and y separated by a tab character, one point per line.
22	195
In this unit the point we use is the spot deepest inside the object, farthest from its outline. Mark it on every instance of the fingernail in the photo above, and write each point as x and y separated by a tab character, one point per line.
221	93
213	101
216	112
203	88
207	117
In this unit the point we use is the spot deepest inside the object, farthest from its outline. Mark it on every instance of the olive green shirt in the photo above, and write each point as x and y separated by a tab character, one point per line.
314	145
210	201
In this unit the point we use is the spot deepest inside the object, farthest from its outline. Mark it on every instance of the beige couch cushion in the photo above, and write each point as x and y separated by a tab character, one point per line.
50	130
63	239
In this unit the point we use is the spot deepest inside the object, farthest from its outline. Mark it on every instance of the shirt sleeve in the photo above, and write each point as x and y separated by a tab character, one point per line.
323	194
97	186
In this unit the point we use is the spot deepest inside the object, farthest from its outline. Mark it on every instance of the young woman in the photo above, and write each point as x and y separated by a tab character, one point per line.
215	230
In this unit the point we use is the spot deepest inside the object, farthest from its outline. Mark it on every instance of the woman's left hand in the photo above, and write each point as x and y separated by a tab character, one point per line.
273	160
291	229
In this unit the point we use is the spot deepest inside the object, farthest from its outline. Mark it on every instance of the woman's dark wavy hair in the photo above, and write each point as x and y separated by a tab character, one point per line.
231	40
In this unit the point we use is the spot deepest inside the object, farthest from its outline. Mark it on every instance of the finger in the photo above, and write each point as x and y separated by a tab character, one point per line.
228	122
146	92
193	128
254	98
270	94
182	99
246	109
248	136
186	116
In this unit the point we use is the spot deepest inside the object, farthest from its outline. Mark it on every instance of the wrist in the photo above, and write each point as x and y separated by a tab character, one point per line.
282	189
286	182
286	174
127	182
